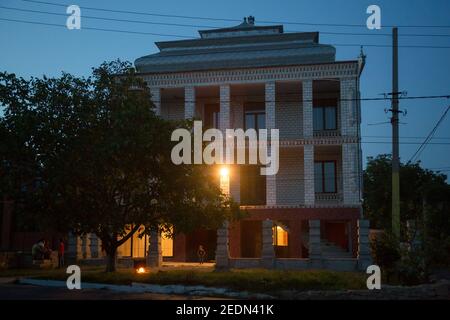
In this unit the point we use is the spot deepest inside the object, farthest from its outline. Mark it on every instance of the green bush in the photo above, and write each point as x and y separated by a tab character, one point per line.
386	253
399	262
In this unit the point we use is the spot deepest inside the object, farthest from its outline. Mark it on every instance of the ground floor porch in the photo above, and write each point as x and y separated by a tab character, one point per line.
269	237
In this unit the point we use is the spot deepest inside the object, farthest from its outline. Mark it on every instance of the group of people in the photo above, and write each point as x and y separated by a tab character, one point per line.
41	251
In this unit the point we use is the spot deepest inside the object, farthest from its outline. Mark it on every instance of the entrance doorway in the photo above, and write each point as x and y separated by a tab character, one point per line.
251	238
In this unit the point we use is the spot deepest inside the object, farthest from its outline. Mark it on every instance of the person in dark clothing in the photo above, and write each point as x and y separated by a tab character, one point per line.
201	252
61	250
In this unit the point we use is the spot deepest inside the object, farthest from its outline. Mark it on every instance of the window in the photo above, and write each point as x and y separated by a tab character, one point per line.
324	118
166	245
280	236
325	177
253	185
255	120
139	244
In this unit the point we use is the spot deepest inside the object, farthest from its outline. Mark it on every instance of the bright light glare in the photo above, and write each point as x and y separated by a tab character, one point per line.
224	171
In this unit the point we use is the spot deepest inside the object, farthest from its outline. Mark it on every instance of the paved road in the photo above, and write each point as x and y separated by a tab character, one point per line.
9	291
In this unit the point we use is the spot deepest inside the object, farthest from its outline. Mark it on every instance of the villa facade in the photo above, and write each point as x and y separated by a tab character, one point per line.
259	77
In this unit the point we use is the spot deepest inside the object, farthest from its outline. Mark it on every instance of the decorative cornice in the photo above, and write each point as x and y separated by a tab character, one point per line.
301	206
348	69
319	141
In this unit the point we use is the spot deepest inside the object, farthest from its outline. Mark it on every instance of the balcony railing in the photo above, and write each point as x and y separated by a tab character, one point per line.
329	197
326	133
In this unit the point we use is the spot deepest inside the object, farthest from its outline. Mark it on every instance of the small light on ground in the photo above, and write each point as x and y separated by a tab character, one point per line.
140	270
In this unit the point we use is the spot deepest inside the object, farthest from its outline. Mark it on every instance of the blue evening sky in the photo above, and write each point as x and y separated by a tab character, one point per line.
35	50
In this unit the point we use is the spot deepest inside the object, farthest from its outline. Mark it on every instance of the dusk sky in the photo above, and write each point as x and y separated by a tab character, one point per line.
35	50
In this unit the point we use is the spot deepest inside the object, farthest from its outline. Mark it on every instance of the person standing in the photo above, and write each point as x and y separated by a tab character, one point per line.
61	254
201	252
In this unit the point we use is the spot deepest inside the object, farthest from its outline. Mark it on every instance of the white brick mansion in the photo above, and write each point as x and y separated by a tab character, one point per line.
308	214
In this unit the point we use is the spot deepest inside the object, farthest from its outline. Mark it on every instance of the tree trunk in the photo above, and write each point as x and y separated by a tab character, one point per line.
111	260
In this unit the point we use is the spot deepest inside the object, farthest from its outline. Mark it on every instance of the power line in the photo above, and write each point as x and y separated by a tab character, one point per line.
111	19
235	20
429	137
406	137
412	143
96	29
207	26
192	38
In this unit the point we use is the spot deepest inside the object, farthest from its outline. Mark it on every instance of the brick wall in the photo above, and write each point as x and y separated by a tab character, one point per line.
289	120
308	161
290	176
307	89
271	183
189	102
348	107
350	173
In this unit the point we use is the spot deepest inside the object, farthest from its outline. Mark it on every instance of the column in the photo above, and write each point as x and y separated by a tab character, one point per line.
350	174
307	94
85	249
364	257
225	117
156	99
315	251
235	187
271	182
348	107
268	251
74	252
224	113
93	245
222	248
101	253
308	174
189	102
154	258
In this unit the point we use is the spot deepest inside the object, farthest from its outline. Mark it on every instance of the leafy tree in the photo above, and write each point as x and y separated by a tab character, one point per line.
424	198
90	155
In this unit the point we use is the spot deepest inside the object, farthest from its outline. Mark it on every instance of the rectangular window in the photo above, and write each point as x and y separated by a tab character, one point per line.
166	245
280	236
255	120
252	185
324	118
318	119
318	177
325	177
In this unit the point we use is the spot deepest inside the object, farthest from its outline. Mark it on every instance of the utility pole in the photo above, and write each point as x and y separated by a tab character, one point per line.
395	139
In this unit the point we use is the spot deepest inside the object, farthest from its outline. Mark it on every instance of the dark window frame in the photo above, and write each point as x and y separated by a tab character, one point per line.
252	181
255	114
324	122
322	162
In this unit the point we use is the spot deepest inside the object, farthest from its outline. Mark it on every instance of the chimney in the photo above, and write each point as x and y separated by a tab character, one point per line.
251	20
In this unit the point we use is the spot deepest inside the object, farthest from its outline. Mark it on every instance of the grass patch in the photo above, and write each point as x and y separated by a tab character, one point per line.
254	280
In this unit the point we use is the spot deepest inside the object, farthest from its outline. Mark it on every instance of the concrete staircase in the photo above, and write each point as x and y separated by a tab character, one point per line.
331	250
